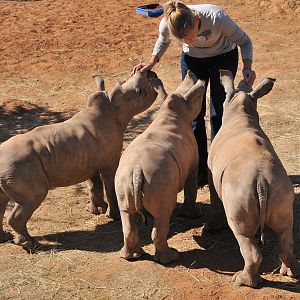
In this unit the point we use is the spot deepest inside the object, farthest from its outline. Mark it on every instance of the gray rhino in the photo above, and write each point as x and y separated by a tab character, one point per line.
71	152
250	180
157	165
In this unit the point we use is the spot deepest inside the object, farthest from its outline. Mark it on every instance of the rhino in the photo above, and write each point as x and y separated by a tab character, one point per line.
248	184
157	165
70	152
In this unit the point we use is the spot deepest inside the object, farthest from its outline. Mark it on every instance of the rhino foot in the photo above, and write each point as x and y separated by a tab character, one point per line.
191	212
96	210
5	236
292	272
127	253
167	256
28	243
243	278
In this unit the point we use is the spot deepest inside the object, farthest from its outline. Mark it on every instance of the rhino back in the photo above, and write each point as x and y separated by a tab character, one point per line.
69	152
169	136
243	156
75	150
173	127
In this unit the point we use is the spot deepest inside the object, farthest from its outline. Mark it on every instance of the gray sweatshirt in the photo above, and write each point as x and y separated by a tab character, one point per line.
218	34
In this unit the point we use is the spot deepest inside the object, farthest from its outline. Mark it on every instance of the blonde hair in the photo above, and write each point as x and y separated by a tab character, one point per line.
180	19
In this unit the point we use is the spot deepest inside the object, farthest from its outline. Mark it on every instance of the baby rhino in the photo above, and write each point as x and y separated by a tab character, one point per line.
252	183
63	154
157	165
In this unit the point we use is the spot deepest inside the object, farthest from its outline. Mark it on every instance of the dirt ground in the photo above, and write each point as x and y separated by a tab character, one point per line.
48	51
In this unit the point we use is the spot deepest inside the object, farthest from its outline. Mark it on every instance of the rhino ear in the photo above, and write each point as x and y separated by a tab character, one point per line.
227	82
116	92
99	82
95	99
159	88
198	87
263	88
192	75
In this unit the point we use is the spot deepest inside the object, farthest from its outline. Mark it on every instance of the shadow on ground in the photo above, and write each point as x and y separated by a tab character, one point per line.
218	251
221	246
215	252
21	116
100	240
18	116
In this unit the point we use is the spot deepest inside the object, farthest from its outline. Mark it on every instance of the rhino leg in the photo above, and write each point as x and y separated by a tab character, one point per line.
132	248
290	266
25	205
4	236
189	208
96	205
108	177
249	276
163	253
281	222
244	220
18	221
216	217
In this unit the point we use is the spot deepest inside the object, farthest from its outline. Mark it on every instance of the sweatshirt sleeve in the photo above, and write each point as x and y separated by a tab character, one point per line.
163	41
235	34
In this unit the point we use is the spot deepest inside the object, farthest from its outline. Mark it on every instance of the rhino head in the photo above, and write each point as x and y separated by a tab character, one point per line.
137	93
261	90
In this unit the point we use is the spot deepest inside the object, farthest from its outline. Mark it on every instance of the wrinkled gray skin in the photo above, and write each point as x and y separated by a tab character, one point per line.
157	165
248	177
70	152
133	97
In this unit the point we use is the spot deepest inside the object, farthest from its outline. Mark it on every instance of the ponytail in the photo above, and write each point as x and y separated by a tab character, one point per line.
180	19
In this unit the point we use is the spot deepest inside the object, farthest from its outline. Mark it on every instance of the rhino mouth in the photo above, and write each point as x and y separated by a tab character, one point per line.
151	74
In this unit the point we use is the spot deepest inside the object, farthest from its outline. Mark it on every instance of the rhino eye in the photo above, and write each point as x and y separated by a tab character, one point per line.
138	91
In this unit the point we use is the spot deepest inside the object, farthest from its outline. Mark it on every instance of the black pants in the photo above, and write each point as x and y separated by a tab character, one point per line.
207	69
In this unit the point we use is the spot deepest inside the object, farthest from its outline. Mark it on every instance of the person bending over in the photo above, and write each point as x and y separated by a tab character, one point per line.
209	43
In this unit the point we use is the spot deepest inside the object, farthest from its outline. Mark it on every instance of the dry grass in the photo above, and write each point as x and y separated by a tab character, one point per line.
79	254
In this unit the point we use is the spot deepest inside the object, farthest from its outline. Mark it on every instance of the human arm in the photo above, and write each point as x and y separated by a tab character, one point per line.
248	74
161	45
238	36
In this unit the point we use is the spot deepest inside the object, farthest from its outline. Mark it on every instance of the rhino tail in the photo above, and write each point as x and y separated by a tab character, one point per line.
262	192
137	180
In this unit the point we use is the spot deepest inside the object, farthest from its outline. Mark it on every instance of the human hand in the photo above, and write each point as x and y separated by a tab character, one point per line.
249	75
142	67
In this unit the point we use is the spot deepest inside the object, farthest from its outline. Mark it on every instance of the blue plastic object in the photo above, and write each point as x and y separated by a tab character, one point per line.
150	10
